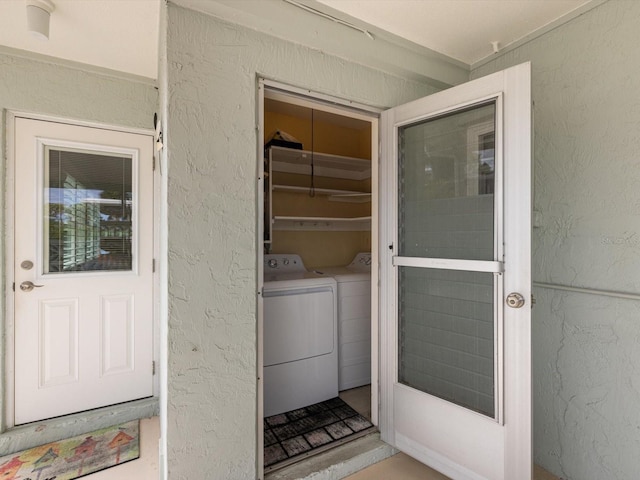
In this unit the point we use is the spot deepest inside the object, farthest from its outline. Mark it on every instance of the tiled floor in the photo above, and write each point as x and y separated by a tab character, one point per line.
359	399
403	467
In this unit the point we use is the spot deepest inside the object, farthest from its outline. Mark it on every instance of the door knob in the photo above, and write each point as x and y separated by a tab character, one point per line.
515	300
28	286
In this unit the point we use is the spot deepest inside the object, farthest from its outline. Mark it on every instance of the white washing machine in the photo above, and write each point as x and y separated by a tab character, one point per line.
300	335
354	321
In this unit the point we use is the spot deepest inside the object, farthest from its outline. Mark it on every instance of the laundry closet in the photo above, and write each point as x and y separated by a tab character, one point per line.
317	250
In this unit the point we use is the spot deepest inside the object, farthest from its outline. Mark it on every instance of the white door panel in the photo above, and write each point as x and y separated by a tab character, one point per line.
455	214
84	219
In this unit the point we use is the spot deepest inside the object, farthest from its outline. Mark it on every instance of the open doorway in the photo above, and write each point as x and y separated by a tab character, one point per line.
317	265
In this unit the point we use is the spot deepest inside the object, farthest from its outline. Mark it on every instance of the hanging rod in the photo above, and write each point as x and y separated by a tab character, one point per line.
588	291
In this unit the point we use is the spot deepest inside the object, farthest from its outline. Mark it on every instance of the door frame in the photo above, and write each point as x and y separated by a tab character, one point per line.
339	106
7	348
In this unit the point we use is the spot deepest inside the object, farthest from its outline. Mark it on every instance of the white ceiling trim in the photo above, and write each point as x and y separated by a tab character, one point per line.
541	31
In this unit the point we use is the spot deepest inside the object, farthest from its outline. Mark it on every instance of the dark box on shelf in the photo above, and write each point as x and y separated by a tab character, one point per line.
283	143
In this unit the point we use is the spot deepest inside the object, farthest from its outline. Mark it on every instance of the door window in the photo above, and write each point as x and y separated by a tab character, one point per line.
446	210
88	224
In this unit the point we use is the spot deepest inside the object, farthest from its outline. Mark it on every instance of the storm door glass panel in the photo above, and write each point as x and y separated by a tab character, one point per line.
446	211
88	211
446	186
446	336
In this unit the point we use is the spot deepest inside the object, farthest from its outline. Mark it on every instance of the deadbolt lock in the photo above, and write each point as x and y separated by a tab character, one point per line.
27	265
515	300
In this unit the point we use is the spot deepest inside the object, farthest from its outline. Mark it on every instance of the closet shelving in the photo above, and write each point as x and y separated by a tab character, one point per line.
335	195
291	160
287	160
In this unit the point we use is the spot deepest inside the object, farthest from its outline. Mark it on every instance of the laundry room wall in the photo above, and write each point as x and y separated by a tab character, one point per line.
212	142
585	84
320	132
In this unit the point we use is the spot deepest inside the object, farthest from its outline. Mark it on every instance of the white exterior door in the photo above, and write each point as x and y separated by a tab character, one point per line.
456	276
83	252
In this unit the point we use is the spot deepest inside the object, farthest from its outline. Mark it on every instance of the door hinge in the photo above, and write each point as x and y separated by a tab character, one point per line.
153	367
153	265
154	163
14	286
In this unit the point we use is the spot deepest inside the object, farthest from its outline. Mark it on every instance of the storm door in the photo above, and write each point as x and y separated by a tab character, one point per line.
456	278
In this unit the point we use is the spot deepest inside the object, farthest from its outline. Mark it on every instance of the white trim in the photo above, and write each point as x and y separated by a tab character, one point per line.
260	281
449	264
8	371
413	115
375	274
306	98
517	326
387	242
78	122
473	133
499	240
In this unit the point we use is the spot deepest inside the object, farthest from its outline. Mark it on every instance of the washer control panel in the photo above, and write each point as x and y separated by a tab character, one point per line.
361	262
283	263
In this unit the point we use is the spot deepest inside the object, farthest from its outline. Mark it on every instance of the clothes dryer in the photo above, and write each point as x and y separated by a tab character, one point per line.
354	320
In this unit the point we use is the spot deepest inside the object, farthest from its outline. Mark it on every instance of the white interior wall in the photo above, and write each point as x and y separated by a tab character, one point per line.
213	68
586	79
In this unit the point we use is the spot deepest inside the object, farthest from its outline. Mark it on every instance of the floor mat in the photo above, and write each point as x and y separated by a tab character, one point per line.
306	430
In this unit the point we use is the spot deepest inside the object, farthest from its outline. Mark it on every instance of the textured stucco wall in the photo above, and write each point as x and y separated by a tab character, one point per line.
46	88
212	143
586	79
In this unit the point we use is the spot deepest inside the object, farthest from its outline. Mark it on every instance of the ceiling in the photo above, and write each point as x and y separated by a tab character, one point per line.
122	35
461	29
119	35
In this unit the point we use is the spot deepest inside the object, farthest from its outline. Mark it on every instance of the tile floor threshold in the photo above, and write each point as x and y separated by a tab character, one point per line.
337	462
319	450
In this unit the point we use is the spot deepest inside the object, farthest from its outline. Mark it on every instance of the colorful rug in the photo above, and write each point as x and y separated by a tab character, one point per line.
309	430
75	457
